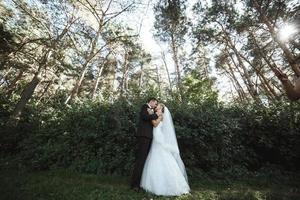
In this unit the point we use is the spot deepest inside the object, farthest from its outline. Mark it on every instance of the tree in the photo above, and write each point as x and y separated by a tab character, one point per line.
42	24
101	12
277	14
171	26
198	90
243	33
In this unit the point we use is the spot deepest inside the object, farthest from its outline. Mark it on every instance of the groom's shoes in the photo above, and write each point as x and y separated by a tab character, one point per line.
136	189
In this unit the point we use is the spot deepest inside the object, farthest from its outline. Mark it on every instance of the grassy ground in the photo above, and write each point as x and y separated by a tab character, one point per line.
67	185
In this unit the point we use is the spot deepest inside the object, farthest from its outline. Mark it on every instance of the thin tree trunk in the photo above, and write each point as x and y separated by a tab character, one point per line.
245	80
124	75
278	88
158	80
263	79
248	81
99	75
46	88
177	67
266	83
141	76
75	90
237	83
240	95
89	57
265	88
273	66
235	87
167	70
252	90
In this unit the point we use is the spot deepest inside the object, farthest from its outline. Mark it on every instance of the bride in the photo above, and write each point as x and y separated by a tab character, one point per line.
164	172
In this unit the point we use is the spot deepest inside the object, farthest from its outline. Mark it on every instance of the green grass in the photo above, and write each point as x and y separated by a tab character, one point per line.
67	185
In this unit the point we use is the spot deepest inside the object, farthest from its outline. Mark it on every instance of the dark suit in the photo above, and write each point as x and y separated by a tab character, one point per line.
144	136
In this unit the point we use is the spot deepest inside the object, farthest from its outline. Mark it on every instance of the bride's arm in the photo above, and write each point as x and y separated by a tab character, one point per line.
156	121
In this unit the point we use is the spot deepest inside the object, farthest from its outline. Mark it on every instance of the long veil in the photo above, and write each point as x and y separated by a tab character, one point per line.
169	139
168	130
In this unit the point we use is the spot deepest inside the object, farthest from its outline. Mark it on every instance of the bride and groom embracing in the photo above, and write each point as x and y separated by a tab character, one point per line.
158	168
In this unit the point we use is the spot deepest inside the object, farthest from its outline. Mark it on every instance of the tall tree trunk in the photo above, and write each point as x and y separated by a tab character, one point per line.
49	83
85	66
239	88
124	75
267	85
245	78
45	89
158	79
177	67
25	96
252	90
75	90
141	76
29	89
167	70
262	77
269	62
240	95
267	91
248	81
99	75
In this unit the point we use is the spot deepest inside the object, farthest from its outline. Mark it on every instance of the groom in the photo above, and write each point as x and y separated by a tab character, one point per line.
144	136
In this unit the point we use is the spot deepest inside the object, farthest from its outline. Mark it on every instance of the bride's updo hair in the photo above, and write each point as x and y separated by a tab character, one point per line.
162	107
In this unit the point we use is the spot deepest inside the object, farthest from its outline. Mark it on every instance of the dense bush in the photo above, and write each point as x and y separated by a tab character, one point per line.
240	137
98	137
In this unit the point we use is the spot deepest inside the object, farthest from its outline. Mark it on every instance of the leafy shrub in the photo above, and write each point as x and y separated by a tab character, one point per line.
98	137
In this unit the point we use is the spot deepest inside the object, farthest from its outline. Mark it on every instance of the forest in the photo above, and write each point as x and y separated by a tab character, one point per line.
75	73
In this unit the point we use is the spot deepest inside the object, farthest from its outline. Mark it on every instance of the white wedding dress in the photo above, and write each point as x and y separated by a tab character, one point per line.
164	172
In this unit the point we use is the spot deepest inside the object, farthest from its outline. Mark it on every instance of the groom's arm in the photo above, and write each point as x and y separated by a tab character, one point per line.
146	116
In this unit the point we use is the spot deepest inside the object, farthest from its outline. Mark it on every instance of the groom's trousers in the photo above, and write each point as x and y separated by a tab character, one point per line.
143	147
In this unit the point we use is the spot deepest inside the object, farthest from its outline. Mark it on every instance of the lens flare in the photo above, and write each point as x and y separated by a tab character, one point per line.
287	31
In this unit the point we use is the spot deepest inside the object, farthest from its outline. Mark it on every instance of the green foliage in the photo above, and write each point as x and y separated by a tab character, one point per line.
98	137
171	24
85	137
198	90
